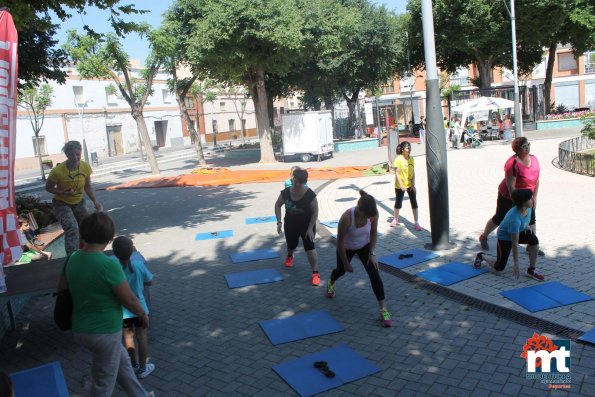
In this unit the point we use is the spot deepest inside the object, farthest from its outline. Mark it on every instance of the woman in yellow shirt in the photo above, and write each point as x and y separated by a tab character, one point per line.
405	182
66	182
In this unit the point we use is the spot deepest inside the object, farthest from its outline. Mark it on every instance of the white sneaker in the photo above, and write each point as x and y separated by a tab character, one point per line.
143	373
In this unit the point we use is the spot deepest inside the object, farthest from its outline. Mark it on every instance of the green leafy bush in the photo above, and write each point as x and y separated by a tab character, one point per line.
589	127
42	210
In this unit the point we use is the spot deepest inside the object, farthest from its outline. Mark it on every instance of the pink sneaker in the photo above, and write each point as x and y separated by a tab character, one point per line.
418	228
394	223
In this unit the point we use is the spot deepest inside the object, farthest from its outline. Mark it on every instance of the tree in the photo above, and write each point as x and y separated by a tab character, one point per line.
35	101
235	95
207	91
39	59
104	57
351	45
478	32
576	25
239	42
168	43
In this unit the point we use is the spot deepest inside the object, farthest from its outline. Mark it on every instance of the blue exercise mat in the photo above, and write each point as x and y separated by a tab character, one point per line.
261	219
300	326
332	224
243	279
588	337
44	381
214	235
545	296
419	256
249	256
451	273
307	380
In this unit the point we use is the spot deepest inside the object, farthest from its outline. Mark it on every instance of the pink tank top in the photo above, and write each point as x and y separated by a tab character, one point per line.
357	237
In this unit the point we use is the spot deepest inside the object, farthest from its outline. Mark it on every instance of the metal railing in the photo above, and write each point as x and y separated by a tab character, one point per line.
573	156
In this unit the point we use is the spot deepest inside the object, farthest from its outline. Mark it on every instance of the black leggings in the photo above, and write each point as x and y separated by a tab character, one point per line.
503	205
399	198
363	255
504	248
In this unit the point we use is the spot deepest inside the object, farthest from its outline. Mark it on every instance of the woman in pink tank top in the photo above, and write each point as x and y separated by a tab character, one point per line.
521	171
357	234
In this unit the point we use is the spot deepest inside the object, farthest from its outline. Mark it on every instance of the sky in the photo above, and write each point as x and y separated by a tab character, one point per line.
137	48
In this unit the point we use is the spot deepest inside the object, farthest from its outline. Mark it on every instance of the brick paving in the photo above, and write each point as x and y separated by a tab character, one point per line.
205	338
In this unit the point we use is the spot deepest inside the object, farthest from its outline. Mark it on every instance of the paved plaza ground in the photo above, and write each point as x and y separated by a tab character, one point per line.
206	340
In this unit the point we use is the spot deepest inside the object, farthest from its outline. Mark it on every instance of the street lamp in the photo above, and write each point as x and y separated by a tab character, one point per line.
518	117
80	108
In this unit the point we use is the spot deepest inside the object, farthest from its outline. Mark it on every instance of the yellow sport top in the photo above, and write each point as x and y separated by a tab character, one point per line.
405	169
66	179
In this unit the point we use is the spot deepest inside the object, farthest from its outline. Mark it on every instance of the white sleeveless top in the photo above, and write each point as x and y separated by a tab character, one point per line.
357	237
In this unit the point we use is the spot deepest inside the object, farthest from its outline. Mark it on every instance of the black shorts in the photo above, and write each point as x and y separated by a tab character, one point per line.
503	205
293	234
132	321
399	198
504	248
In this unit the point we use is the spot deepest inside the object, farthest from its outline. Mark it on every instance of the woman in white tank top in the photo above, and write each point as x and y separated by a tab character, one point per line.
357	234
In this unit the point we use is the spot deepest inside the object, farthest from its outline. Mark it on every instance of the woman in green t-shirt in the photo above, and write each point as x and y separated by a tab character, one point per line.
67	182
99	290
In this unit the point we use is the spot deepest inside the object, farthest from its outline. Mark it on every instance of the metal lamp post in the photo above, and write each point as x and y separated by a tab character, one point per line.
518	117
80	107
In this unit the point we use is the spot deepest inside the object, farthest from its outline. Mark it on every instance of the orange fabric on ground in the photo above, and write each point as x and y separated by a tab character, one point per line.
223	176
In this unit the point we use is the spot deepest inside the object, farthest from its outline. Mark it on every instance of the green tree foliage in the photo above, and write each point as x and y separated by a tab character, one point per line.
35	101
479	32
104	57
39	58
351	45
575	25
240	42
169	43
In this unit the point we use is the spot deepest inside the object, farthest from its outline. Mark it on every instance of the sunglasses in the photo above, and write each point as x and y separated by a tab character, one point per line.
526	146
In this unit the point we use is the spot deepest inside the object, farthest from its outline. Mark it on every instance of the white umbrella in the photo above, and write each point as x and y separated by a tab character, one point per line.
482	104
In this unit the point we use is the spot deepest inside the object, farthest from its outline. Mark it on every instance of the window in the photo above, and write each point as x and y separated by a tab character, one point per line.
460	78
232	125
291	104
189	102
166	96
566	61
215	129
222	106
111	98
79	94
590	62
42	146
567	94
590	93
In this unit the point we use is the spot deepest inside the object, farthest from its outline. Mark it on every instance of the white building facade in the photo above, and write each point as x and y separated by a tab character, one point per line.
87	110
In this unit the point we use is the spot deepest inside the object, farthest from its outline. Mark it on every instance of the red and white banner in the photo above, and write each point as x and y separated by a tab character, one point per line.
10	245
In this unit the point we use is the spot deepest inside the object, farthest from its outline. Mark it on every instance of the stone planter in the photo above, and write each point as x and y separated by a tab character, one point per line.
243	154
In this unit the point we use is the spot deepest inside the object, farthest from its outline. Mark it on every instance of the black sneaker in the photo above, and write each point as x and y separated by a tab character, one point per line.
478	260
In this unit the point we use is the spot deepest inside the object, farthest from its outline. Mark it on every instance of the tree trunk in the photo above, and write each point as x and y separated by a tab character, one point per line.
351	104
141	125
191	129
39	156
485	72
259	96
549	71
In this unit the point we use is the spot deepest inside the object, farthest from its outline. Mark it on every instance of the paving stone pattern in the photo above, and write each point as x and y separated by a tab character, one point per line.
205	339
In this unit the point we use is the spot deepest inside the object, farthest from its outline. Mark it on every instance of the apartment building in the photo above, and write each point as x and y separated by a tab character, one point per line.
403	101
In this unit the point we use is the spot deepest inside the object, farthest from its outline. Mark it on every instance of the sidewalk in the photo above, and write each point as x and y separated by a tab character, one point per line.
473	176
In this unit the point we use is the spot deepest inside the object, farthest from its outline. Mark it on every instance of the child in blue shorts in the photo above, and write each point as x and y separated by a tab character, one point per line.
138	277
